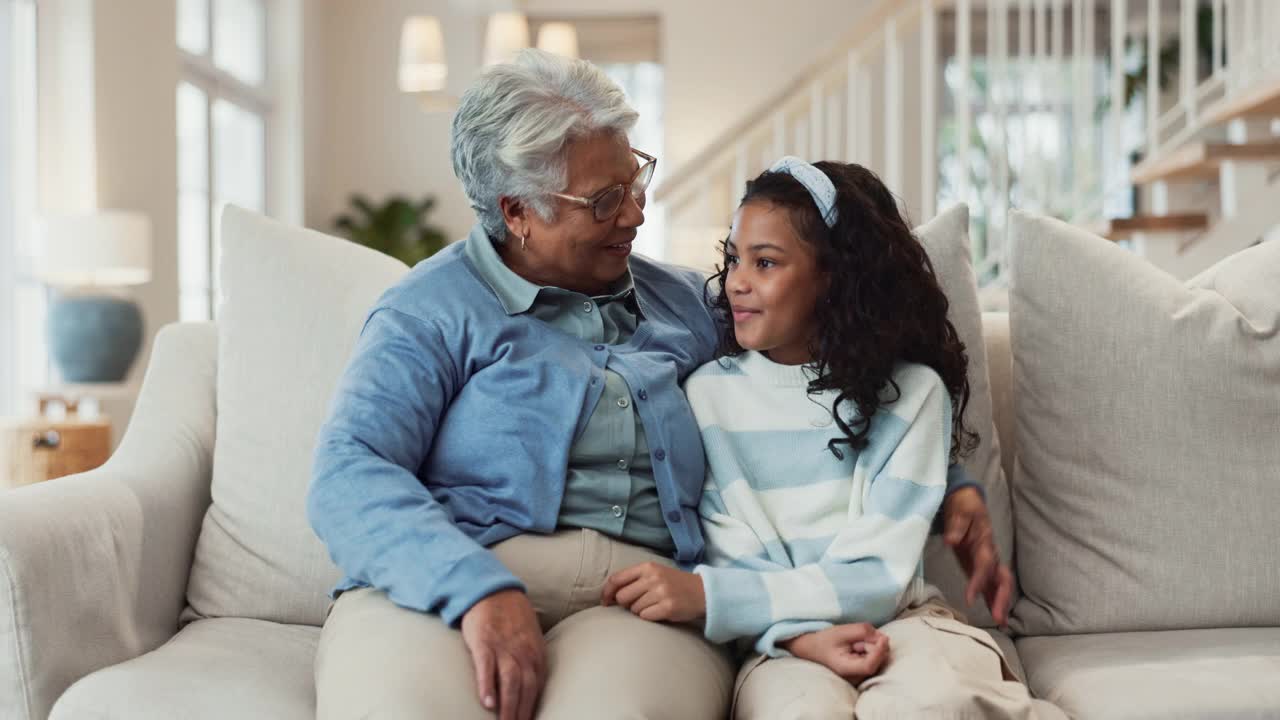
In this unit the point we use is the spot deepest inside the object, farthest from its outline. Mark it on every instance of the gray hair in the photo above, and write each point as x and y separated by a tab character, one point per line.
514	124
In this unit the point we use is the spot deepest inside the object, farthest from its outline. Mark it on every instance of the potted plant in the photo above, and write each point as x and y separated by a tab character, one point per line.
398	227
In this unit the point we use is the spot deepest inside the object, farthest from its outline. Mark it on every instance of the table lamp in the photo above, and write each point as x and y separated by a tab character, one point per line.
94	333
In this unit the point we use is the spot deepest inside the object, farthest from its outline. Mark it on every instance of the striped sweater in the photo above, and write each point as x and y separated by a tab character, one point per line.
798	540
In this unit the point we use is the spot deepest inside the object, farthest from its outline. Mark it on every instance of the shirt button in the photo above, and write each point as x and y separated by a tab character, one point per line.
593	381
674	516
599	348
622	464
617	511
586	307
642	394
660	454
623	402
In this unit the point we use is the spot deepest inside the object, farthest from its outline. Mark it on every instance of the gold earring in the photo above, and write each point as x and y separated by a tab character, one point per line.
523	238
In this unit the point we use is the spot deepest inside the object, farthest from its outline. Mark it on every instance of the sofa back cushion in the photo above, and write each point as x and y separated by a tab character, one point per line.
293	301
946	239
1148	415
995	334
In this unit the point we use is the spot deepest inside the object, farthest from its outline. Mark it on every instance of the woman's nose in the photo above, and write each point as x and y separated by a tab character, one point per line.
632	212
736	282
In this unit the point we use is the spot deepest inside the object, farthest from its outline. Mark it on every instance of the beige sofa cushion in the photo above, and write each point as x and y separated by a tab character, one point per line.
1148	416
221	668
1175	675
995	332
946	239
293	304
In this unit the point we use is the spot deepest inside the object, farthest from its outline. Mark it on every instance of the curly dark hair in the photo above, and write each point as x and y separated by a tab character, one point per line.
884	304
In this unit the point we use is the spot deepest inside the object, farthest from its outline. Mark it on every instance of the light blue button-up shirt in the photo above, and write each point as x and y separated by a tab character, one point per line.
610	485
451	428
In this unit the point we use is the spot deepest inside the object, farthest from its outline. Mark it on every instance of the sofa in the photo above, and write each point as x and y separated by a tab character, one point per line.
181	579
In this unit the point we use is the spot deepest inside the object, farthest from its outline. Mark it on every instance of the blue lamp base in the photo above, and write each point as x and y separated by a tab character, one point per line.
94	339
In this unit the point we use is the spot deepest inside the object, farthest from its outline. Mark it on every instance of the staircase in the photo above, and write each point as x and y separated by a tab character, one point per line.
1044	105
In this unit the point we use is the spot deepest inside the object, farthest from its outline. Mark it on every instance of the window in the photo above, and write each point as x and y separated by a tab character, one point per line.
23	350
1022	129
223	107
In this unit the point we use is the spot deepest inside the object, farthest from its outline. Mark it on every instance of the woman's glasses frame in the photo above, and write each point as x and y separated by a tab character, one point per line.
606	203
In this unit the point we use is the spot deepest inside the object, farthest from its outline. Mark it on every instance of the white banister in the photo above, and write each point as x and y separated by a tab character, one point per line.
1217	36
1119	13
963	109
800	141
1251	46
1233	44
998	62
893	91
859	135
864	114
1079	110
1042	83
853	107
1187	59
835	129
779	135
1059	42
1026	62
1153	76
741	161
816	115
1059	32
1031	68
1042	29
1089	96
928	109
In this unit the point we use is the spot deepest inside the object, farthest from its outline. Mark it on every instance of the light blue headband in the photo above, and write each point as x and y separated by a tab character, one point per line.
813	180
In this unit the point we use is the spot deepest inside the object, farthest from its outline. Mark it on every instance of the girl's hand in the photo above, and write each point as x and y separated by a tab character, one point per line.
854	651
968	532
657	592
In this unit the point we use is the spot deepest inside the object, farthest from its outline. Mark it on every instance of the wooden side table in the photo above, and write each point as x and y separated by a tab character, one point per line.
37	449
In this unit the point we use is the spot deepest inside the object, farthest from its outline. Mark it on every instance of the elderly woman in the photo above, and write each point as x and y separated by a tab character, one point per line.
511	431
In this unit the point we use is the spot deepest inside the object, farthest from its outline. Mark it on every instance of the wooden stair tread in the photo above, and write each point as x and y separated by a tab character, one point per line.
1121	228
1262	100
1201	159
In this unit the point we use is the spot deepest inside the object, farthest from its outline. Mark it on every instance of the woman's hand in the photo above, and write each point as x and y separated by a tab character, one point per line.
506	645
968	532
657	592
855	651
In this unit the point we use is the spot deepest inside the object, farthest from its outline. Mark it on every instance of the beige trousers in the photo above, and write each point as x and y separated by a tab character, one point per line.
379	660
939	667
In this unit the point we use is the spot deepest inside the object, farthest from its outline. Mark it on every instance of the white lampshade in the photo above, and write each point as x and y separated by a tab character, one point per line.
559	38
422	64
101	248
508	33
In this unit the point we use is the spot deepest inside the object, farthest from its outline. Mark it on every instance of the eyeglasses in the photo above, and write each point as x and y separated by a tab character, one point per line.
606	203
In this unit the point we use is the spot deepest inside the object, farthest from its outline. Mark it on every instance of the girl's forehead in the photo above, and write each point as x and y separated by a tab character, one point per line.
757	222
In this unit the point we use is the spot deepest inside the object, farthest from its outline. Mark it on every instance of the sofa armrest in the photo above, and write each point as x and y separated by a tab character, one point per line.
93	567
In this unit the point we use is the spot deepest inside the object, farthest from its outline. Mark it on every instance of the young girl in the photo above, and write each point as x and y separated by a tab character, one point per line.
828	427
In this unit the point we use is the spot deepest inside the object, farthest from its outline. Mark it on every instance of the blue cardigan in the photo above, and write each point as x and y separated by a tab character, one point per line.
450	428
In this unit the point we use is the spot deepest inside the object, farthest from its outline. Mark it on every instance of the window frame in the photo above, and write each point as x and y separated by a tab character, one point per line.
19	169
200	71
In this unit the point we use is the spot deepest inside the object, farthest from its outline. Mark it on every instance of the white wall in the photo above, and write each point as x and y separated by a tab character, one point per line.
721	59
370	137
135	119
